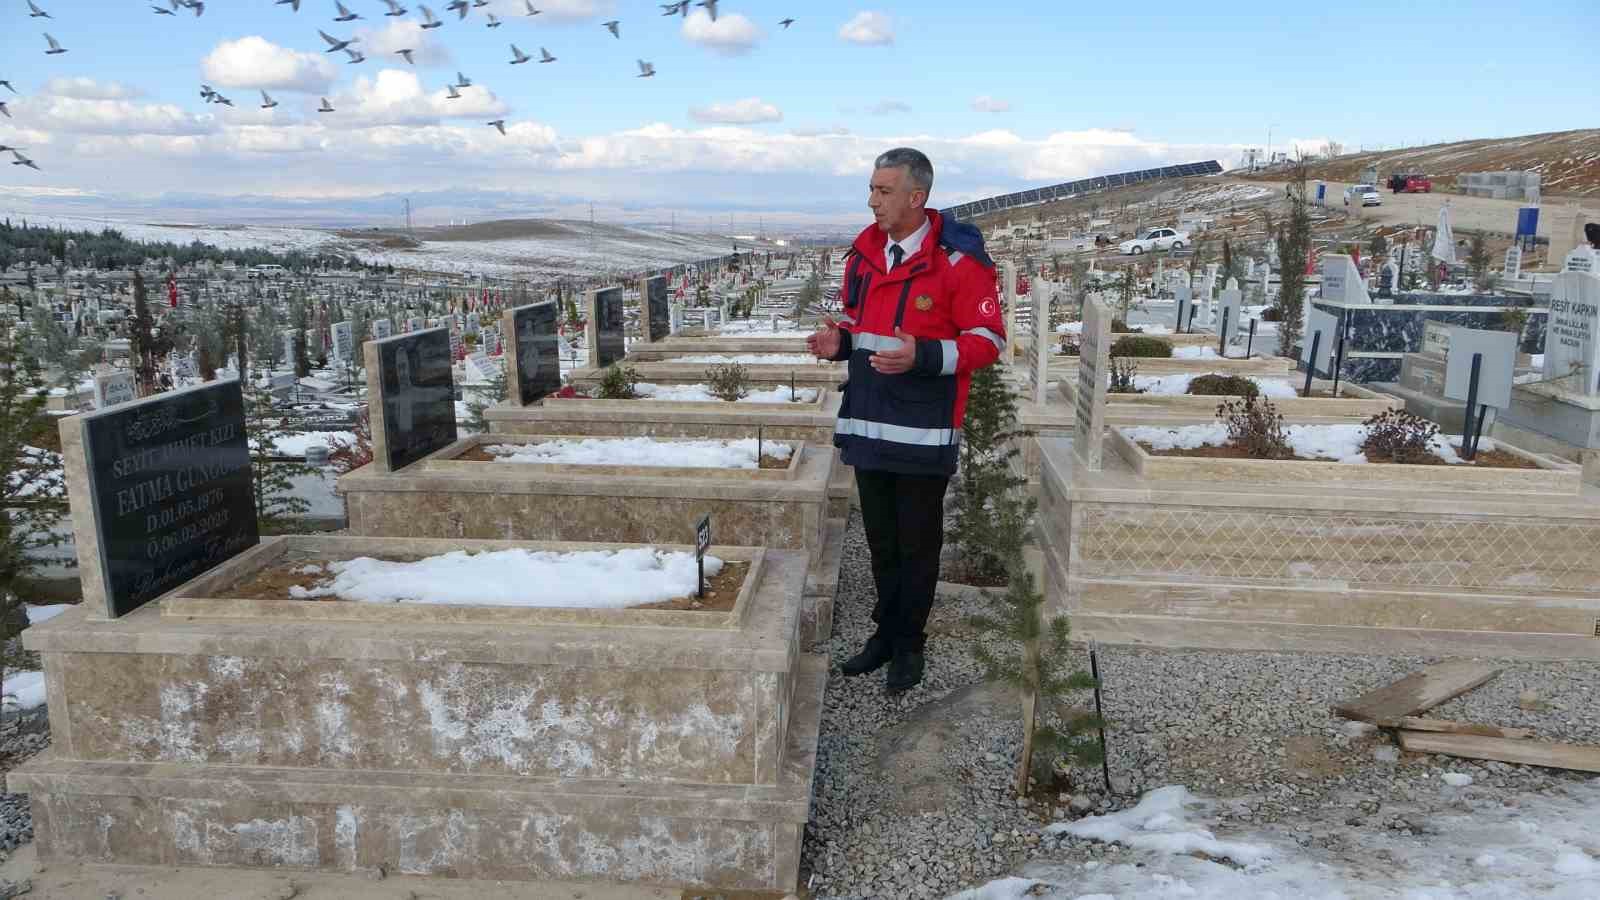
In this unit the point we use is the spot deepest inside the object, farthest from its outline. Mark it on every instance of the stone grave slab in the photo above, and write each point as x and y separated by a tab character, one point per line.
1093	371
411	396
533	355
655	317
604	330
1572	352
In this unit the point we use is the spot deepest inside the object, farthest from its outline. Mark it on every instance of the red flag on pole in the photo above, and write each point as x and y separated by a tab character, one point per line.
172	291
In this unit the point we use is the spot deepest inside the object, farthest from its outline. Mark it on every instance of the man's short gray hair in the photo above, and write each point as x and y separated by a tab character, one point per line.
915	161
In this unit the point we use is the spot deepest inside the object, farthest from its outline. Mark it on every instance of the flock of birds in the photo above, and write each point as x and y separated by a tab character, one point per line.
335	45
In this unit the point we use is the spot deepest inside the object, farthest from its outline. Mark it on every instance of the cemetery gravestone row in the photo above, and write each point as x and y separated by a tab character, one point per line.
605	329
534	351
411	392
1093	360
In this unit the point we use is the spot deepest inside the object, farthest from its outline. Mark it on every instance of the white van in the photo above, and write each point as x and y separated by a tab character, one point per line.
1366	194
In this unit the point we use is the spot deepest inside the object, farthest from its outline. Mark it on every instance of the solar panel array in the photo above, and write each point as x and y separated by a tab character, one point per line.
1081	186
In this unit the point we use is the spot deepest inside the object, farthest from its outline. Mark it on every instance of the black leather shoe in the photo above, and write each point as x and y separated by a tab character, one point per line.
905	672
872	657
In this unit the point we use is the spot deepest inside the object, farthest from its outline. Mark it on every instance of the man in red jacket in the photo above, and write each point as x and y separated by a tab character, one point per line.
920	316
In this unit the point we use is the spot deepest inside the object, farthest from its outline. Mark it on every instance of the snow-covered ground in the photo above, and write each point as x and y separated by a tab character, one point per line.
1542	846
591	579
1273	388
297	443
641	451
700	393
1341	443
749	359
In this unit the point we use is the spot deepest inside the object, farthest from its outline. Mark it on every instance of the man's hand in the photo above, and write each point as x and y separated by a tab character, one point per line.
896	362
824	342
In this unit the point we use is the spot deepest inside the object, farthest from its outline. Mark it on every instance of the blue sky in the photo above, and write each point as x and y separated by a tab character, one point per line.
746	115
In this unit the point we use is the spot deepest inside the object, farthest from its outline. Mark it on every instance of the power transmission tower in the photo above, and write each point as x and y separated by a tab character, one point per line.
409	230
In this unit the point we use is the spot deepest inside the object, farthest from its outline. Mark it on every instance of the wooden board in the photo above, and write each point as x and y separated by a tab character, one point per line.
1417	692
1577	757
1445	726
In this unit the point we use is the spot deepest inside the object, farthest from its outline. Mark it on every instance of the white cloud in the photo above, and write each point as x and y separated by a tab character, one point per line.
731	34
255	62
397	97
748	111
88	89
888	108
872	29
820	131
380	44
75	116
988	104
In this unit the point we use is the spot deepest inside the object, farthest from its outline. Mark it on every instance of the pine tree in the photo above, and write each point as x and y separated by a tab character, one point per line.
992	509
32	492
1034	660
143	344
273	482
810	295
484	396
1230	266
297	326
1294	248
1478	259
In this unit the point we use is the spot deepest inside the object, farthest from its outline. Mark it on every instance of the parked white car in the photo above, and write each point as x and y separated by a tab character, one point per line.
1365	194
1155	239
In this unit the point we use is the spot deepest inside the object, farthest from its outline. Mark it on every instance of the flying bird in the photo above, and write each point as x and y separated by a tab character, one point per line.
785	22
162	11
223	100
326	106
198	7
493	22
4	148
462	80
428	19
479	4
344	15
333	42
672	9
3	111
544	56
518	57
207	93
529	5
266	101
7	85
406	55
34	12
356	56
460	6
612	26
23	161
711	7
293	4
453	93
500	124
55	46
395	9
646	70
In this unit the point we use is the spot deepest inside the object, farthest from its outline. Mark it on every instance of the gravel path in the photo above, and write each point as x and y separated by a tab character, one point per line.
1252	730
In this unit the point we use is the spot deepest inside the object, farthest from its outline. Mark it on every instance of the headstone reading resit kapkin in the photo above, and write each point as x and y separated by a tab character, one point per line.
604	330
1571	348
1094	361
533	353
653	309
160	491
410	397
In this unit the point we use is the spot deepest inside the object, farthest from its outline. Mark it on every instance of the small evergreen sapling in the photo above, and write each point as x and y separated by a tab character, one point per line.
33	496
992	509
485	395
277	506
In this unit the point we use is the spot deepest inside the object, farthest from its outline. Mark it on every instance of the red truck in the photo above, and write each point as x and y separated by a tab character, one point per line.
1410	184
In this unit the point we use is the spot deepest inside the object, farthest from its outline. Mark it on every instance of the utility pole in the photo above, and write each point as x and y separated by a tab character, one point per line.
409	230
591	226
1269	142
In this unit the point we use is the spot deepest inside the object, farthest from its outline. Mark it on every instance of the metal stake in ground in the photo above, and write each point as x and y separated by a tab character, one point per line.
1222	343
702	542
1192	310
1469	446
1338	351
1311	364
759	429
1099	714
1250	342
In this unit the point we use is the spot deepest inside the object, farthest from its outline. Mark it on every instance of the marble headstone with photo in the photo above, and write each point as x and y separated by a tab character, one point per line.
410	397
159	490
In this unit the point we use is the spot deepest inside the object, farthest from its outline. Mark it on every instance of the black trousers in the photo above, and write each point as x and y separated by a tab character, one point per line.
904	519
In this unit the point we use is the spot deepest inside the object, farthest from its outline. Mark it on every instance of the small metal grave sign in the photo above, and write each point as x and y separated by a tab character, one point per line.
535	351
162	494
702	543
1185	303
1322	330
1093	361
1230	309
411	395
1497	353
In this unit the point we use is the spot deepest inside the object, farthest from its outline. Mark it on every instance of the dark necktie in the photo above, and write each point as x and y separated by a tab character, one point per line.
899	254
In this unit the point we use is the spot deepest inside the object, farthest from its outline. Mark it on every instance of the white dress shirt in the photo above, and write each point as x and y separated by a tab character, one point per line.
909	245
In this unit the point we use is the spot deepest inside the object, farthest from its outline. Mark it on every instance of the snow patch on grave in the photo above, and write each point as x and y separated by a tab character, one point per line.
1173	385
748	359
700	393
1340	443
642	451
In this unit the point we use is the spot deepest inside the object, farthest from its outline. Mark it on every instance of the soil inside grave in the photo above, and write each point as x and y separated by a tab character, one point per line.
1485	459
273	583
478	454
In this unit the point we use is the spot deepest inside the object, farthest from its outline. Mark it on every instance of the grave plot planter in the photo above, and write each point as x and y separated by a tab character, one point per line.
442	496
1197	339
1268	366
470	459
732	344
1442	562
212	730
1355	404
825	376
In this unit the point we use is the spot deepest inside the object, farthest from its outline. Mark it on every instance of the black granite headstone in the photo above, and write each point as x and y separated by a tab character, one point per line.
418	395
170	485
608	326
660	313
538	351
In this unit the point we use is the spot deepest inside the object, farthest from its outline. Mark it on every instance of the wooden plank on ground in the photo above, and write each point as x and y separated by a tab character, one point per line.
1445	726
1417	692
1578	757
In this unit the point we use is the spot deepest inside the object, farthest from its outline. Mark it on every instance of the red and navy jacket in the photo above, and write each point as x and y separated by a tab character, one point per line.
944	296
